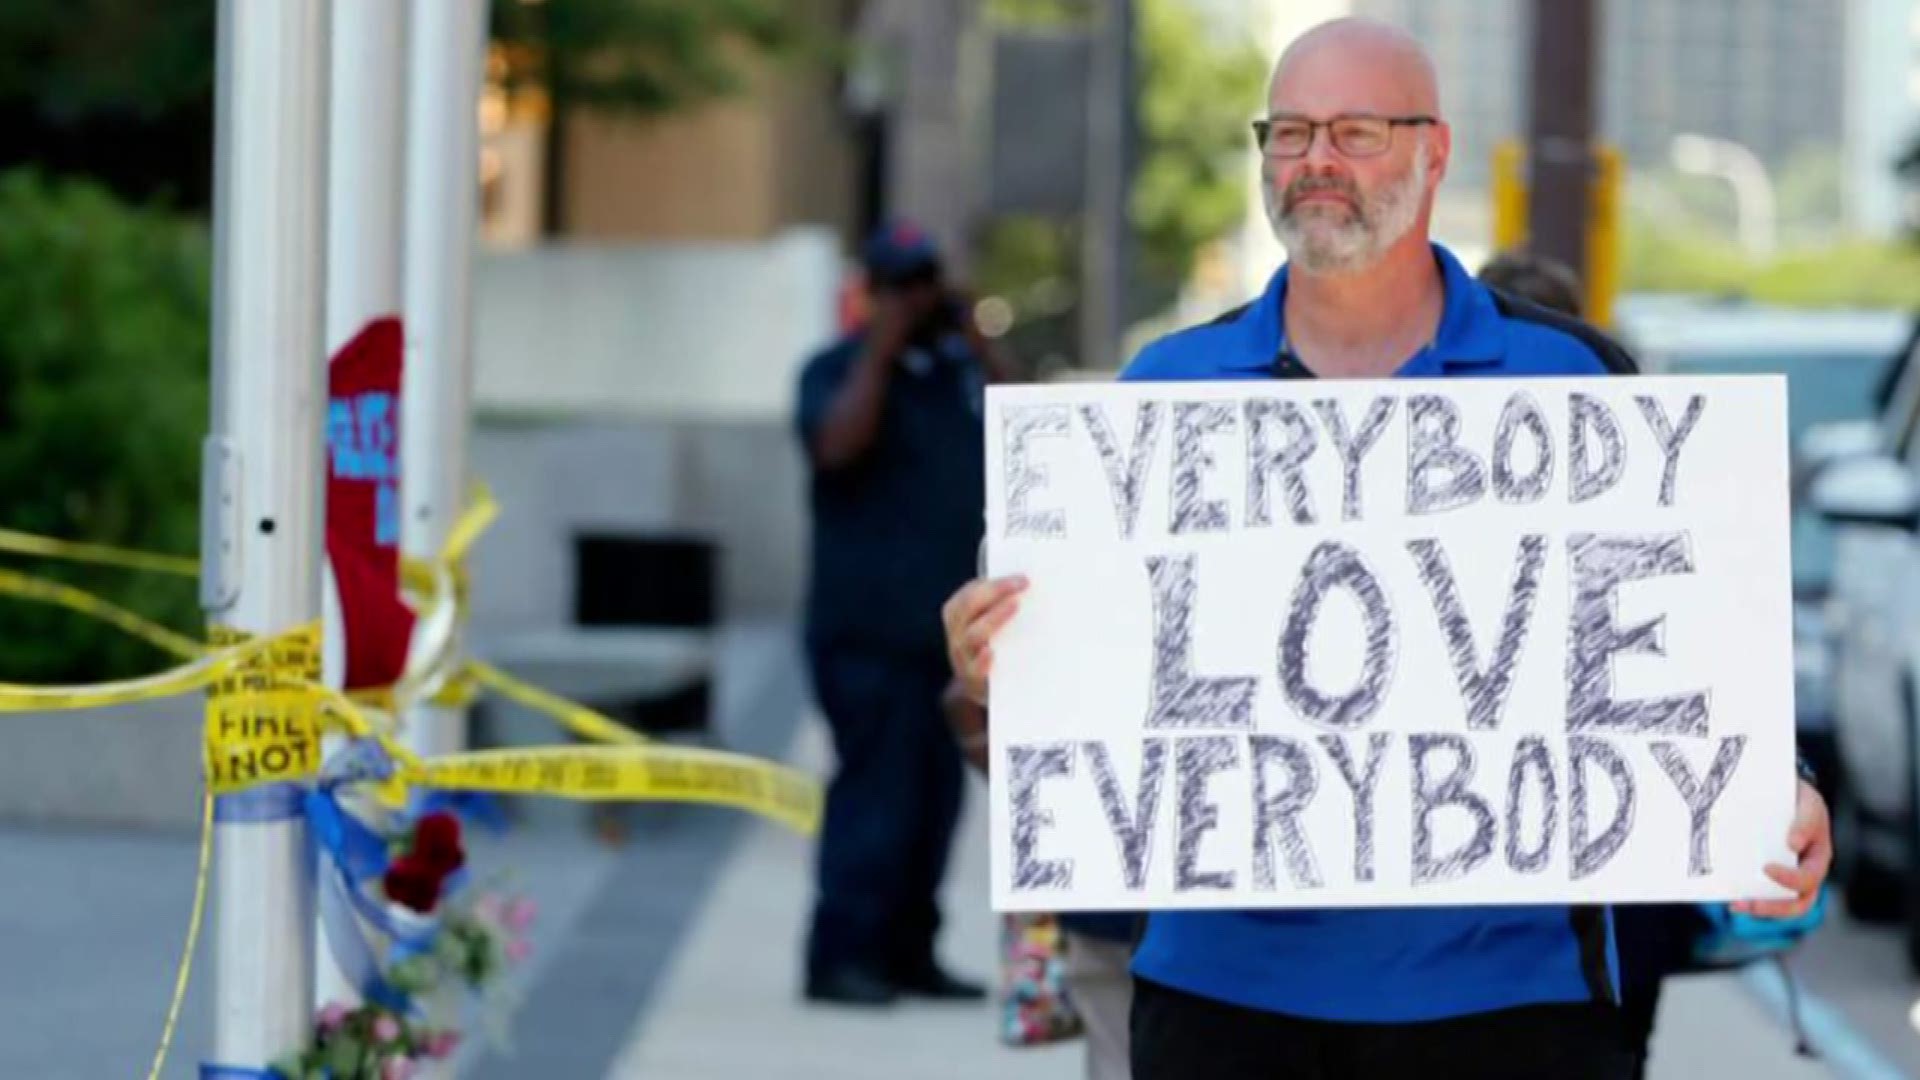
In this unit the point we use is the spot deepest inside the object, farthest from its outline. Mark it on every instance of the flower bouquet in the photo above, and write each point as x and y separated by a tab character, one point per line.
456	935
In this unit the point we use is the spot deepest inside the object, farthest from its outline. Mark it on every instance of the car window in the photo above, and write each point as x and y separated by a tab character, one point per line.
1902	419
1821	388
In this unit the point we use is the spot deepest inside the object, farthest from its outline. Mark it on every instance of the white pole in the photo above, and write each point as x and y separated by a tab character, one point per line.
365	195
366	166
446	58
262	493
447	55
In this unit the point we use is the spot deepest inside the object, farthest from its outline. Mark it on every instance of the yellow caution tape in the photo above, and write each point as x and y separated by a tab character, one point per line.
183	977
459	691
578	719
198	675
476	519
379	697
421	577
45	591
625	773
472	523
264	700
46	547
263	718
266	709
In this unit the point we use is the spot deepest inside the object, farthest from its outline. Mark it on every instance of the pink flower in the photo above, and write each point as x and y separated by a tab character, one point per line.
519	949
332	1015
489	909
442	1043
397	1068
386	1029
519	915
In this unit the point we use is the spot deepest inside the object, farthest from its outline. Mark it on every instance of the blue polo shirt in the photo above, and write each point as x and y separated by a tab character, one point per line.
896	531
1401	964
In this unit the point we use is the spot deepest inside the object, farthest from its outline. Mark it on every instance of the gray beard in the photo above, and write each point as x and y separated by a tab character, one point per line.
1349	247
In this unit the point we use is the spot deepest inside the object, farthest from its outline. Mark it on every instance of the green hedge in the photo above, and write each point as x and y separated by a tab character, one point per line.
103	403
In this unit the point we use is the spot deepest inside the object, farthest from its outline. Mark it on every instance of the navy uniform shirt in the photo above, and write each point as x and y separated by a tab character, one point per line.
896	531
1387	964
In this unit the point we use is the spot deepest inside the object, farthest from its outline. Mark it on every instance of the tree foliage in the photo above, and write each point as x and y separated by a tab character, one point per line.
103	395
647	56
1197	94
1671	257
71	58
1195	88
122	90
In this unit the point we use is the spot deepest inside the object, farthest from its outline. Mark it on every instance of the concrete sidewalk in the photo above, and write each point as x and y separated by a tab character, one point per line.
728	1004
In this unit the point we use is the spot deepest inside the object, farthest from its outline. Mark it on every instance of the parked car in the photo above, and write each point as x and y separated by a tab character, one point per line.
1867	491
1834	362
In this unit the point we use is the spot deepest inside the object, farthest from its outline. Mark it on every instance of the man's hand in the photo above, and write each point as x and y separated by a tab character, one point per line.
1811	839
972	616
852	420
891	328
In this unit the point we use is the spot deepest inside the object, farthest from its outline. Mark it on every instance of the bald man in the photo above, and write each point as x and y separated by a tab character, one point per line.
1354	146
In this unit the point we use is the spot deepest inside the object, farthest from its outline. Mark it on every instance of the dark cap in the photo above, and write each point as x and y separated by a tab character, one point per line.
900	252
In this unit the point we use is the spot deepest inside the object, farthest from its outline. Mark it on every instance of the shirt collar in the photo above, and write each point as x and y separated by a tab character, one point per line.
1469	334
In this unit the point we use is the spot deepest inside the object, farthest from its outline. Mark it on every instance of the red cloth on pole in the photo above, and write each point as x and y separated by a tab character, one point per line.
363	502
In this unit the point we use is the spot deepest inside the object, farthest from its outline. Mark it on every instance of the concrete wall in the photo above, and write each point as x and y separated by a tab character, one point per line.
676	331
779	154
646	389
737	483
134	766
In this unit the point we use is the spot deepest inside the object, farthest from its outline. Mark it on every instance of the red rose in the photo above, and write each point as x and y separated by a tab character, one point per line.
413	884
436	842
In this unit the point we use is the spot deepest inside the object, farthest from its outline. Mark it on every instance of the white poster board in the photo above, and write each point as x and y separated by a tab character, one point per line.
1322	644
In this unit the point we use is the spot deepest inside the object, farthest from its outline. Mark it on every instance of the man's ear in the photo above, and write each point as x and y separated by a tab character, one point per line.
1442	151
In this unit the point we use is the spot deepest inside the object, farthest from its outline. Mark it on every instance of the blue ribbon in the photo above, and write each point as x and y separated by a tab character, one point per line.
357	855
359	852
351	951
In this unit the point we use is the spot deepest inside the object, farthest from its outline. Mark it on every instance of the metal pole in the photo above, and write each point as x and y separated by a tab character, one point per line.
1106	233
365	195
447	42
262	495
447	55
367	167
1560	136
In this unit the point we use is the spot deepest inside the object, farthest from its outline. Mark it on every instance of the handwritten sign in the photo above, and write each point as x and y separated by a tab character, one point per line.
1386	643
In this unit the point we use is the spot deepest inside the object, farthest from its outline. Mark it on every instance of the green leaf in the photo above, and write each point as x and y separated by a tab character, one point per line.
648	56
104	354
343	1057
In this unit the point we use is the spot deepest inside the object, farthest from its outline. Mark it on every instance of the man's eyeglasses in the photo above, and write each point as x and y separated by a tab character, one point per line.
1353	136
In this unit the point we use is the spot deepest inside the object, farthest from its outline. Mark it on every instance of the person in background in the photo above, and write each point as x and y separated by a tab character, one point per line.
1536	278
889	416
1099	944
1653	938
